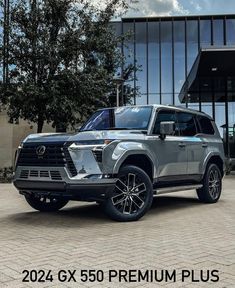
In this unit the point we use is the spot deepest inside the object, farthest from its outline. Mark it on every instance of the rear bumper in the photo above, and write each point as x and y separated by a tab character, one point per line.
84	191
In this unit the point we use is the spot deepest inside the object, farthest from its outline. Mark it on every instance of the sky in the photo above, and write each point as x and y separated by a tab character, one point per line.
181	7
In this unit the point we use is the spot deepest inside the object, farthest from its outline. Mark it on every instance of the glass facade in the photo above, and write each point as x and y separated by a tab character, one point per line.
166	48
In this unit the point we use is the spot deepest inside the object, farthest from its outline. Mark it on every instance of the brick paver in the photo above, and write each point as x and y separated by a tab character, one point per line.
178	233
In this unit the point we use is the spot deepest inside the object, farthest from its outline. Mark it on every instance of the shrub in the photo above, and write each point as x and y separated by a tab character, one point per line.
6	175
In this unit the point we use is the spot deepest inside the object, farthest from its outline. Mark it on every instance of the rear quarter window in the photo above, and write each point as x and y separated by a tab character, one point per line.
206	126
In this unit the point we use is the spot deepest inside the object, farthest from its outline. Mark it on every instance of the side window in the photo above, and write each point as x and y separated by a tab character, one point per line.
186	124
163	115
205	125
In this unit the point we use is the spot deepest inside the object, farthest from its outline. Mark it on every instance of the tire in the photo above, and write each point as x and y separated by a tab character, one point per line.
45	204
132	196
212	185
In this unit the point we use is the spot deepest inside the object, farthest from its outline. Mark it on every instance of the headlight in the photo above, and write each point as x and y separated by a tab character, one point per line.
17	152
93	144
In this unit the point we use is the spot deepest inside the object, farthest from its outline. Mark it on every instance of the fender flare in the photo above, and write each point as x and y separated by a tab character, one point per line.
142	150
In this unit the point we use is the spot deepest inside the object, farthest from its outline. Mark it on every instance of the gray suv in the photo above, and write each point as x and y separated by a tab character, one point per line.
121	158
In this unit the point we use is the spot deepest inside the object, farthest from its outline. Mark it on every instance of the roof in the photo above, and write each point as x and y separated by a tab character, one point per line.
177	17
177	108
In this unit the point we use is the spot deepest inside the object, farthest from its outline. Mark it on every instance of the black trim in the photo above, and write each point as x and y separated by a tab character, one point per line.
82	192
177	180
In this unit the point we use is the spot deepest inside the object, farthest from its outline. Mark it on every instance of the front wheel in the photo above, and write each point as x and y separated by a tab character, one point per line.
212	185
132	196
45	204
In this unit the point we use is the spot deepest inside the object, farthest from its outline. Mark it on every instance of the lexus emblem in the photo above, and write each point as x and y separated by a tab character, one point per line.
41	150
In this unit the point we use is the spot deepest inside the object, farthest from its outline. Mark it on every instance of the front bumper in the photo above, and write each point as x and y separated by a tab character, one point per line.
78	191
73	188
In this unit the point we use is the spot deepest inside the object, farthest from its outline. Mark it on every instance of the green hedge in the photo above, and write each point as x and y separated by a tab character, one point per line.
6	175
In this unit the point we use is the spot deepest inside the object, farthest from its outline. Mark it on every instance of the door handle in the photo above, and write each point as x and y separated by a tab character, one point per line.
182	144
204	145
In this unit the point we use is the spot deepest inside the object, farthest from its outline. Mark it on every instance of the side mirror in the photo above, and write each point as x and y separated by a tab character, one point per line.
166	128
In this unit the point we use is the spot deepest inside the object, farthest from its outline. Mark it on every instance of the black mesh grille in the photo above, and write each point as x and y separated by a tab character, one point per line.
53	155
56	155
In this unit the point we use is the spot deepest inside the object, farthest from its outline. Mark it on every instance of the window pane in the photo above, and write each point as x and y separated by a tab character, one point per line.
153	58
179	57
128	50
141	99
230	31
205	33
141	58
186	124
218	32
128	47
166	58
231	123
192	43
167	98
154	98
205	125
163	115
220	111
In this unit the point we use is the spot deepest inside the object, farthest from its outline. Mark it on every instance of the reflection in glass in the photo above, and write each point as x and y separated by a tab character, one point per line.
141	99
166	61
141	58
154	98
167	98
179	57
128	48
205	33
192	43
231	121
218	32
153	59
230	31
220	111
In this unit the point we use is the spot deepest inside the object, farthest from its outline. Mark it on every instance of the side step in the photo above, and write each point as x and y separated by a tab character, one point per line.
177	188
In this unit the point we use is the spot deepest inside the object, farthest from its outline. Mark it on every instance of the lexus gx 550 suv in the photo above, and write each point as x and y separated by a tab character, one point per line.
121	158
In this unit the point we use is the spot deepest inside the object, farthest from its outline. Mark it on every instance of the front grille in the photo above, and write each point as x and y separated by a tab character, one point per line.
44	174
55	155
53	175
33	173
24	174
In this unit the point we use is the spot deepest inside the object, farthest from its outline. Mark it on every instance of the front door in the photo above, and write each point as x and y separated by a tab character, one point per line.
171	152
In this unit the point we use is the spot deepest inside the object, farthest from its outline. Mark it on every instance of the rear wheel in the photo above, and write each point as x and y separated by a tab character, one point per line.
212	185
132	196
45	204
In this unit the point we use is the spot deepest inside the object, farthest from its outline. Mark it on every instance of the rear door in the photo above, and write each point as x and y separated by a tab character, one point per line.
188	127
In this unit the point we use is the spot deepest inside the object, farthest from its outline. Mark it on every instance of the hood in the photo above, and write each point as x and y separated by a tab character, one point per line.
47	137
86	135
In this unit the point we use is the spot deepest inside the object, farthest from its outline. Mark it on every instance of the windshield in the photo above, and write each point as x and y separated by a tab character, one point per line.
136	118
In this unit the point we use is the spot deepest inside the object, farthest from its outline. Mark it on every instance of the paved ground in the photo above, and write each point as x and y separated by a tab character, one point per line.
178	233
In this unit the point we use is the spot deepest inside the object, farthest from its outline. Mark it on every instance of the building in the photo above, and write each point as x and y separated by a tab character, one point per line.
187	61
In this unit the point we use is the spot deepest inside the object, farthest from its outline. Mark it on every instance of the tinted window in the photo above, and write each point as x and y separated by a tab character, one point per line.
186	124
205	125
163	115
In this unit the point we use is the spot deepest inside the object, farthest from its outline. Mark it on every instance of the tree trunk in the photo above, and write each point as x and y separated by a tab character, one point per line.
40	124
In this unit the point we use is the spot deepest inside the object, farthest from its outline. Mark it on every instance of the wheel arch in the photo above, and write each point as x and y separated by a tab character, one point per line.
214	159
141	160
